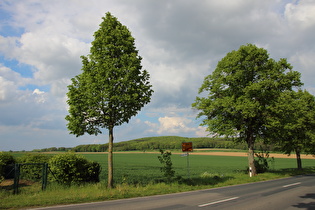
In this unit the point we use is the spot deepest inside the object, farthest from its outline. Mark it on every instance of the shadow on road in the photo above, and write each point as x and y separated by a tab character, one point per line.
205	181
310	205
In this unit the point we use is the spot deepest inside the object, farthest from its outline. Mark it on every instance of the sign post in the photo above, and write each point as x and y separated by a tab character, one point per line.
187	147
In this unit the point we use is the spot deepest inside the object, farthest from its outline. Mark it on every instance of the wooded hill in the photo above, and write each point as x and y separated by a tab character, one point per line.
155	143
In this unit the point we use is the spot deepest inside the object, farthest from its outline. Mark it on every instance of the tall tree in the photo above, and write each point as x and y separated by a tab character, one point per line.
292	123
241	88
112	87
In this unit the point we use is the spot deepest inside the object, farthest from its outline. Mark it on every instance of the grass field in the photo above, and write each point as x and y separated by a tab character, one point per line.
138	174
144	168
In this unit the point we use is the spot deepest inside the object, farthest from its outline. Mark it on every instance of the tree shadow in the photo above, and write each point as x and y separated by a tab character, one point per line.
294	171
195	181
310	205
8	184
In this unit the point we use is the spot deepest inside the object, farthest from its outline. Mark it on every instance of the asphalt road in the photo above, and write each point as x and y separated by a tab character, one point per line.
289	193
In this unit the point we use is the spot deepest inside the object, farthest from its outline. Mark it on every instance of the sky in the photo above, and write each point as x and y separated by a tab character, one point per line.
180	41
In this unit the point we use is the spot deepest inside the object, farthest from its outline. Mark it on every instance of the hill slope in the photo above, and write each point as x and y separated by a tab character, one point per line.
161	142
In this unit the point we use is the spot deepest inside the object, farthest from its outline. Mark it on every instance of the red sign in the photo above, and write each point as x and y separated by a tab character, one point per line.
187	147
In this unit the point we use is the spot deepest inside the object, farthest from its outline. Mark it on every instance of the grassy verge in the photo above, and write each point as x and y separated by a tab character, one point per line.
55	194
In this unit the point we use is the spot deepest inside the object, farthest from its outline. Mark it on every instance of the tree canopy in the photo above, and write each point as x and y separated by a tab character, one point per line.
291	124
240	91
112	86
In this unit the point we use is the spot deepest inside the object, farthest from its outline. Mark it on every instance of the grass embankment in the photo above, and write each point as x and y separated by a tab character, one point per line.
138	175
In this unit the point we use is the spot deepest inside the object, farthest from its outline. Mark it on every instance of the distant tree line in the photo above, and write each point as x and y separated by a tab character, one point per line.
54	149
157	143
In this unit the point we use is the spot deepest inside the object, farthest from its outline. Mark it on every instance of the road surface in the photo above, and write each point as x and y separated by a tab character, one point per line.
289	193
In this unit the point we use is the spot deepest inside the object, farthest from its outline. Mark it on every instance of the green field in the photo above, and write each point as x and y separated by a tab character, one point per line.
145	167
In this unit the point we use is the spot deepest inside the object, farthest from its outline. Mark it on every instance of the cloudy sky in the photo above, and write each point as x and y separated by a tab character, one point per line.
180	41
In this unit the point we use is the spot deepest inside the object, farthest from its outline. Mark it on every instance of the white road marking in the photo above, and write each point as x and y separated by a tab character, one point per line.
289	185
215	202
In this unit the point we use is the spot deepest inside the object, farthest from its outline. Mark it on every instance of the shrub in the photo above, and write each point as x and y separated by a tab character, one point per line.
32	172
70	168
6	165
262	160
167	168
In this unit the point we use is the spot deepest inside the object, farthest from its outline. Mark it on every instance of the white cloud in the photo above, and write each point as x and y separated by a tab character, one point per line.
180	42
305	63
174	125
301	14
8	45
181	126
311	90
9	84
54	58
27	107
5	88
38	92
39	96
59	87
28	138
201	131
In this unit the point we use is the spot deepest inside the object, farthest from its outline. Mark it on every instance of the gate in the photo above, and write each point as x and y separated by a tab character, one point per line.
17	168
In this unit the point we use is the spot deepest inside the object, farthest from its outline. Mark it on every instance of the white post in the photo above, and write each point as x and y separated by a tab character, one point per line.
250	171
188	171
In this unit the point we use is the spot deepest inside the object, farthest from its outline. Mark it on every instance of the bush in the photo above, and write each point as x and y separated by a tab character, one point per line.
70	168
7	162
32	172
262	160
167	168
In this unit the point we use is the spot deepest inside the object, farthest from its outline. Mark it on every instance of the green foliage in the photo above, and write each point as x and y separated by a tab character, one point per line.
162	142
292	125
112	87
244	83
1	176
69	168
32	172
53	149
167	168
241	89
263	160
6	162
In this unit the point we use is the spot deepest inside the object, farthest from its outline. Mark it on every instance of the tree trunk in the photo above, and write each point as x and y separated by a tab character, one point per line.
298	159
110	157
251	163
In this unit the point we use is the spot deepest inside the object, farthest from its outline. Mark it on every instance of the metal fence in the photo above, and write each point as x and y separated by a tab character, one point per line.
17	174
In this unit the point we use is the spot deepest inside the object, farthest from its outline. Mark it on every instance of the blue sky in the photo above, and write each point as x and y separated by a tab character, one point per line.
180	42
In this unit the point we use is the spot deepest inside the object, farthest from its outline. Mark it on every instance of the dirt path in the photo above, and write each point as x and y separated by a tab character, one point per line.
241	154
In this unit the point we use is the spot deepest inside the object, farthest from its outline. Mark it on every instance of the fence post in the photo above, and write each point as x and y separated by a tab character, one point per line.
44	176
16	177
